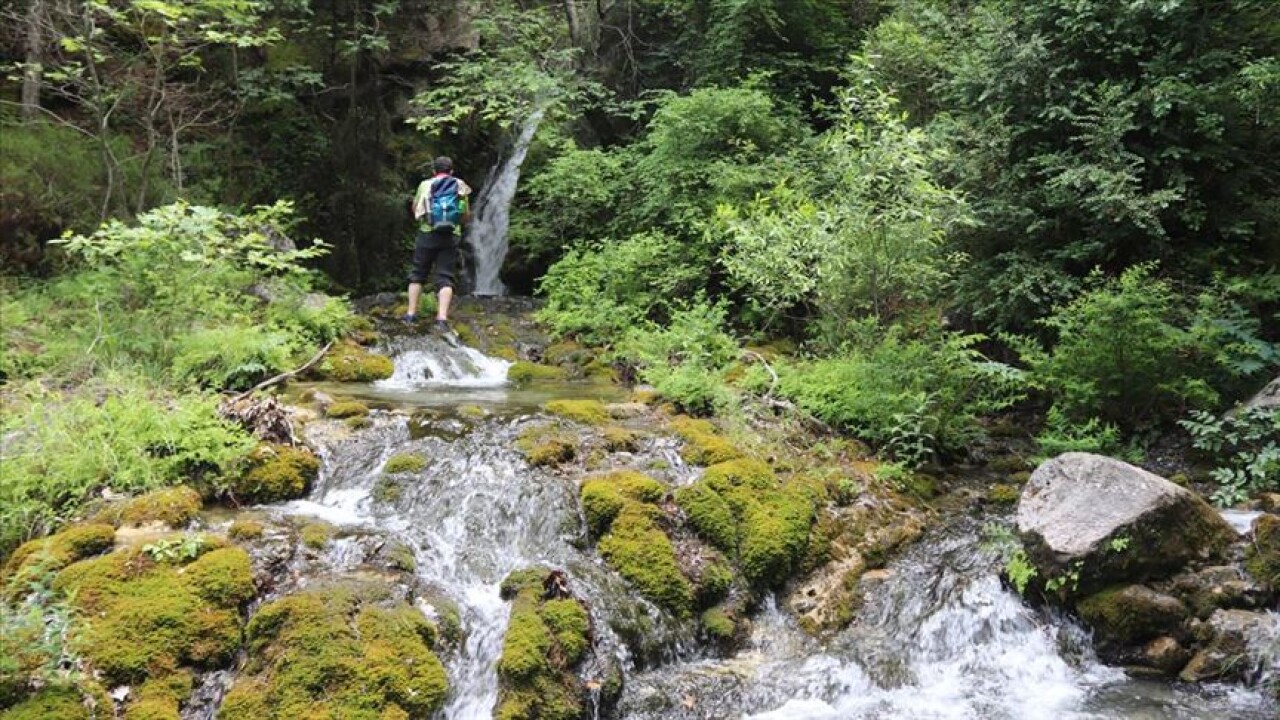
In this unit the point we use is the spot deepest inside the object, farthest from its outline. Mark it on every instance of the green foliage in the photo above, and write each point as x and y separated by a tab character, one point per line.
68	447
37	636
685	360
1130	352
175	296
1017	566
861	230
913	396
176	549
1244	446
597	293
1062	435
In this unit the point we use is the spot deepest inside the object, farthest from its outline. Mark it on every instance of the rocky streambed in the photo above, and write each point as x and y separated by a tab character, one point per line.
507	534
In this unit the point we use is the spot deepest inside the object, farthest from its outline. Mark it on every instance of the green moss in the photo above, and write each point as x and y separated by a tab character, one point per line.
620	439
719	624
715	581
569	625
174	506
523	373
588	412
702	445
1262	559
62	703
160	698
638	549
545	639
405	463
276	472
348	362
1003	494
346	409
1131	614
57	551
246	527
546	446
358	422
224	577
775	535
567	353
343	651
710	515
387	489
316	535
149	618
604	496
472	412
742	472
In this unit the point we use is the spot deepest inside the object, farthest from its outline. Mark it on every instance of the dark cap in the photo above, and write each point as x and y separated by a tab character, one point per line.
442	164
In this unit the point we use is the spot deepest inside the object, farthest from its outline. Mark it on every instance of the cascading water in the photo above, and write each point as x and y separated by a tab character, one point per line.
938	636
488	232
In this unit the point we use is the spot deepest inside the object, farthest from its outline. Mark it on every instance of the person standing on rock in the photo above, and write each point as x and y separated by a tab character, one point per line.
441	206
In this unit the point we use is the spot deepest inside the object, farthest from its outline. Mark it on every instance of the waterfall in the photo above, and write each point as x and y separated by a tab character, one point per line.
488	231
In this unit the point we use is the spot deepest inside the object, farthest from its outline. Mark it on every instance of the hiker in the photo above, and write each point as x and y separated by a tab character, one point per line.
441	206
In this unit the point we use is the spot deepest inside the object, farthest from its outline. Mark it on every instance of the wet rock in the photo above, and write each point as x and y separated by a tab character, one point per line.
1226	640
1098	521
627	410
348	362
276	472
1262	559
1132	614
1215	587
1165	654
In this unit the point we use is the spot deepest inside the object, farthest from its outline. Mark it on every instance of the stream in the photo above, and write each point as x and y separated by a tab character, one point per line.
938	636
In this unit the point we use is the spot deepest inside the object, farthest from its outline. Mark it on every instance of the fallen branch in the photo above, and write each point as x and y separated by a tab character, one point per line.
284	375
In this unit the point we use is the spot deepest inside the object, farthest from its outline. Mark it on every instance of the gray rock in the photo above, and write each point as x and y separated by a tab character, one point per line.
1099	521
1233	646
1267	397
1165	654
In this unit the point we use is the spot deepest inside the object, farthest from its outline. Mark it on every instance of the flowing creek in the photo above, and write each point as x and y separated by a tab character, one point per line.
938	636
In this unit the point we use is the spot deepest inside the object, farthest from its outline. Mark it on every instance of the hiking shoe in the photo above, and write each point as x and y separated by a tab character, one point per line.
441	326
409	318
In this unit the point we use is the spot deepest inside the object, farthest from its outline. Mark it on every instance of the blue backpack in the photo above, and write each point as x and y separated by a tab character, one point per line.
444	205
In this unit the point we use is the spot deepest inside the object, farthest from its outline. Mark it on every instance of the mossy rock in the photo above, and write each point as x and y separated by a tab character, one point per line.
603	497
719	624
546	446
388	489
404	463
587	412
344	651
702	445
161	698
50	554
1262	559
348	362
152	617
344	409
545	640
316	535
358	422
620	439
1002	494
246	528
1131	614
60	702
638	549
174	507
523	373
567	353
744	510
276	472
472	412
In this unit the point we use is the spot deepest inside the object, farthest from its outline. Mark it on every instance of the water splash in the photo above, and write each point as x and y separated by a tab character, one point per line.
488	232
426	360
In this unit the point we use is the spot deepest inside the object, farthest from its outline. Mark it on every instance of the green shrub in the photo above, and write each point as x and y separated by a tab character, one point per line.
685	360
1245	447
67	447
912	396
1131	352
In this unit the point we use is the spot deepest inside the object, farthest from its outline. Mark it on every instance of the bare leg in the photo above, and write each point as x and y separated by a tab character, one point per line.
415	292
446	296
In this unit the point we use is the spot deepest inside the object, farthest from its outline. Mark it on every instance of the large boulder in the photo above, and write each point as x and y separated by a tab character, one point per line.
1089	521
1267	397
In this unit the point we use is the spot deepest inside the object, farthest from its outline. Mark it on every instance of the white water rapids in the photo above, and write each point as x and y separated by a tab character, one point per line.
938	637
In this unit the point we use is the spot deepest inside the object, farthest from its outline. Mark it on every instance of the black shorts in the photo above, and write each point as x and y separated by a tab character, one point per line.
438	249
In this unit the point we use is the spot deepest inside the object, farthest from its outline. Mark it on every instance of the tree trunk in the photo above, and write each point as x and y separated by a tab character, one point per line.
571	16
34	70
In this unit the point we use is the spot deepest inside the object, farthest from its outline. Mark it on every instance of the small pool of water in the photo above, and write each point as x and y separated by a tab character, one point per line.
499	400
